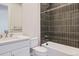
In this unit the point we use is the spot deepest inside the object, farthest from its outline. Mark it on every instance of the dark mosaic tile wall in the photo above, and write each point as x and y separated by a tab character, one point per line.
60	25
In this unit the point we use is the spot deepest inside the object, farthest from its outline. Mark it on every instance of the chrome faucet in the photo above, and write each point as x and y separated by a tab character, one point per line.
6	33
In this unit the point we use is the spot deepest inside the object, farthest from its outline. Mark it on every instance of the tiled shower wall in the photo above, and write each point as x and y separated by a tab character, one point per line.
60	25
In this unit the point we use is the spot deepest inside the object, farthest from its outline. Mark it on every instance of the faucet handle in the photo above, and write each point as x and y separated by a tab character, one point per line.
6	32
46	37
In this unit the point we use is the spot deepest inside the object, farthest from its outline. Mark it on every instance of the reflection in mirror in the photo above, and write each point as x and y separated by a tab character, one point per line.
15	18
3	18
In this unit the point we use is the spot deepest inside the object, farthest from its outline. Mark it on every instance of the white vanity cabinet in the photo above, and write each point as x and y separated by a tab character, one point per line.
21	52
18	52
17	48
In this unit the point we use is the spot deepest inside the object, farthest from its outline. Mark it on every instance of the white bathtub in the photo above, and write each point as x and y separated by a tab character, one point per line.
55	49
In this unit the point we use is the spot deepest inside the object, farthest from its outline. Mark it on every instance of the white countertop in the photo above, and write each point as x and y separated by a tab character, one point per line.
12	39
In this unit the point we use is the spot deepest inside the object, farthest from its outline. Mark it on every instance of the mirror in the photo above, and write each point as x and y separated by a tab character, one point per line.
10	17
3	18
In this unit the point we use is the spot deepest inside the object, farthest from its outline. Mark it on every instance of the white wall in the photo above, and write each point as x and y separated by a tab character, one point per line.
26	15
31	19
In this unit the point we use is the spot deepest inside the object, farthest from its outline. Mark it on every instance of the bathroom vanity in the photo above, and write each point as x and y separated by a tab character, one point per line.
18	46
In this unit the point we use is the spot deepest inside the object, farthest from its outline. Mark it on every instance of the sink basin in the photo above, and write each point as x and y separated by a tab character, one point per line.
19	37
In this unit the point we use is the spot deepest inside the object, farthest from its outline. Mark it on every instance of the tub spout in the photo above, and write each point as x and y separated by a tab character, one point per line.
46	43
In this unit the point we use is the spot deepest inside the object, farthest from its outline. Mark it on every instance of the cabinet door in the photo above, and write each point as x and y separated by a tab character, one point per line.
22	52
6	54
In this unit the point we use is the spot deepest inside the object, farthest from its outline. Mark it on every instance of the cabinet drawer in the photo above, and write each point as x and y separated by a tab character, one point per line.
12	46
